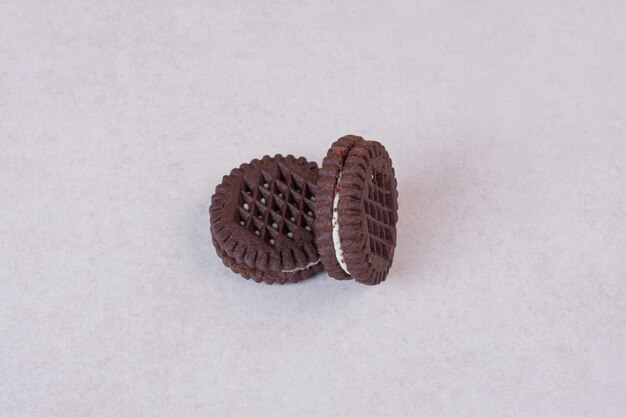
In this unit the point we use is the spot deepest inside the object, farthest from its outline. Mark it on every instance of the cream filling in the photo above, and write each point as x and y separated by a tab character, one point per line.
336	238
301	268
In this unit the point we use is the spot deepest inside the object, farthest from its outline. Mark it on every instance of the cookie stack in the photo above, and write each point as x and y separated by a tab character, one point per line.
282	219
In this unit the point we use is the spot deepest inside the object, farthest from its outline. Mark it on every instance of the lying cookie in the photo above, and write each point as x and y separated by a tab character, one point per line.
357	211
262	217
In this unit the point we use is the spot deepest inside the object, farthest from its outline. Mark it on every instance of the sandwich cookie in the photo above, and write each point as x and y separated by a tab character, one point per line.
262	218
357	211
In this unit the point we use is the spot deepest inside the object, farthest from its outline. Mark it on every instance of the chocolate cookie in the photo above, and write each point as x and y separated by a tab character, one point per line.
357	211
262	217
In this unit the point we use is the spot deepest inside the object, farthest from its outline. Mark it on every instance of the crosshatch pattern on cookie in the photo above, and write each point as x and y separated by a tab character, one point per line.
379	216
278	208
368	212
262	216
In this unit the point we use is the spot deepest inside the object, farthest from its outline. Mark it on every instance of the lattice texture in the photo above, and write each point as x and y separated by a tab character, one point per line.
367	210
262	217
379	215
275	209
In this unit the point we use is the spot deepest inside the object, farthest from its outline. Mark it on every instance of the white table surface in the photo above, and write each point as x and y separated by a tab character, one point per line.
506	122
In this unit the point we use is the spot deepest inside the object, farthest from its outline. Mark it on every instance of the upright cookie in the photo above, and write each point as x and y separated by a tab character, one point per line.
262	217
357	211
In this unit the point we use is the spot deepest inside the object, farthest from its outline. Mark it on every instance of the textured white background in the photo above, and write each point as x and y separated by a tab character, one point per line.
507	126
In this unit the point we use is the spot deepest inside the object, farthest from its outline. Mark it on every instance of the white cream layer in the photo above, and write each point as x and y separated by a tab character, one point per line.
302	268
336	238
